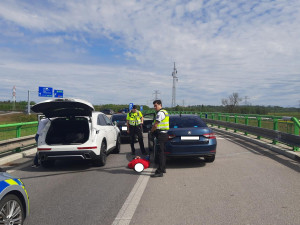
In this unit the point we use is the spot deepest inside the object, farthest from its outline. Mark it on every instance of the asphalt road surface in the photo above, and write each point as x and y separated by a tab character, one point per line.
246	184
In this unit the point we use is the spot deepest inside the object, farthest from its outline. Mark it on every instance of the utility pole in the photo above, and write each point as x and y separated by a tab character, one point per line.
28	102
246	98
175	79
14	98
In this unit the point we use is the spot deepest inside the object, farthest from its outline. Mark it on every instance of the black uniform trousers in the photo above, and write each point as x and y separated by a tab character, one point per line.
136	130
162	139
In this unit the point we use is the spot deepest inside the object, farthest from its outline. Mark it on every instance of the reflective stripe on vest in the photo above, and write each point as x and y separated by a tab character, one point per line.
164	124
134	119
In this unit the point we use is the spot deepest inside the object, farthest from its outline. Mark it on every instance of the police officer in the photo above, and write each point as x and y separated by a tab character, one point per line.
42	123
134	127
160	130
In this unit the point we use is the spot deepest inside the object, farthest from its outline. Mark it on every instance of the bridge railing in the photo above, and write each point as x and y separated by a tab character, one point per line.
276	128
17	130
17	135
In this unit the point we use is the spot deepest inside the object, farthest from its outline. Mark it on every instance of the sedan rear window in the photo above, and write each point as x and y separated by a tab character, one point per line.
186	121
119	117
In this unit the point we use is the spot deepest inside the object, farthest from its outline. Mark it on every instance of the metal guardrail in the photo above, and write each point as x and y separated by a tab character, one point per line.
261	125
279	129
274	135
274	126
16	136
16	130
16	143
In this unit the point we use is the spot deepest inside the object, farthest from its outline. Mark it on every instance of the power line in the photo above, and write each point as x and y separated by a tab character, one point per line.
156	93
246	98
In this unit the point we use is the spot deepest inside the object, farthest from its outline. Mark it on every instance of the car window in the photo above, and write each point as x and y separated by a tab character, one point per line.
108	122
149	116
119	117
101	121
186	122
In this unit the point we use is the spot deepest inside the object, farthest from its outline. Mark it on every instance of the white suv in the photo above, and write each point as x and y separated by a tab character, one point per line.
75	131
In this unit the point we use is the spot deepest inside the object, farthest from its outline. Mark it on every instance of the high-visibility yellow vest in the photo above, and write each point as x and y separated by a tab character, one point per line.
134	119
164	124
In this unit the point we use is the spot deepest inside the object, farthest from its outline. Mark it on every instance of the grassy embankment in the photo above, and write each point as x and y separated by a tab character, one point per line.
285	126
17	118
10	132
21	117
291	114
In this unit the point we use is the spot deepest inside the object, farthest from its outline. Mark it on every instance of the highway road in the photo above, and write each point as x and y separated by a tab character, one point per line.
245	185
2	113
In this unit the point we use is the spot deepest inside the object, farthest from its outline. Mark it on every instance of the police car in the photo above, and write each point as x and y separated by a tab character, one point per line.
75	131
14	200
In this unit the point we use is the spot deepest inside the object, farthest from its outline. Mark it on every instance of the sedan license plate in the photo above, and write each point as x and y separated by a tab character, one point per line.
124	128
189	138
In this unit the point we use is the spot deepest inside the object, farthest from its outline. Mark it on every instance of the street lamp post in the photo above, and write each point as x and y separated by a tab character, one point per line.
28	102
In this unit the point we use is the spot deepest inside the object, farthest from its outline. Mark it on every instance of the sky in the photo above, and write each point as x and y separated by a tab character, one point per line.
122	51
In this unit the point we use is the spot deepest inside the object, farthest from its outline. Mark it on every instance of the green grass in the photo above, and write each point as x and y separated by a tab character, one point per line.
17	118
8	133
11	132
283	126
290	114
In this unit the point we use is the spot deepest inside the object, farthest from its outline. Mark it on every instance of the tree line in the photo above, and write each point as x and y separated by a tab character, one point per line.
229	105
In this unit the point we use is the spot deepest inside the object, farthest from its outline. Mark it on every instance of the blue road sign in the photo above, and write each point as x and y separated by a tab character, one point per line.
45	91
58	93
141	108
130	106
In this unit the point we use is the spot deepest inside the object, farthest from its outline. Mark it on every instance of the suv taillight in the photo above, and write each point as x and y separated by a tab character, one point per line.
43	149
92	147
210	135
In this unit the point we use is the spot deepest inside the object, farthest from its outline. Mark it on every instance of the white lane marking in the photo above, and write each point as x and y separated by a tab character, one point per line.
128	209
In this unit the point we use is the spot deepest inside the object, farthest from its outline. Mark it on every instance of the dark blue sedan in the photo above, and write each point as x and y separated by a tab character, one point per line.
189	136
120	121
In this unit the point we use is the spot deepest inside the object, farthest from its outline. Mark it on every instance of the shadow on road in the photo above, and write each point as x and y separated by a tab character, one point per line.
63	167
183	163
256	149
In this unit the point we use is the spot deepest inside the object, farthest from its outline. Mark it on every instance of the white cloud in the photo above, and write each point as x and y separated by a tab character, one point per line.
219	46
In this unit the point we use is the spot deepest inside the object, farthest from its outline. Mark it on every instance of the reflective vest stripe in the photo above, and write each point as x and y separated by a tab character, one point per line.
164	124
134	118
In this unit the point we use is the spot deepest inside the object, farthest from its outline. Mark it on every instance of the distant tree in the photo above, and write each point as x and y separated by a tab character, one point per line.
231	102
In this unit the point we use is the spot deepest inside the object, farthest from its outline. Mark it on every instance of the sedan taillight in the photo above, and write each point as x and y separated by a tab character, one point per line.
210	135
171	136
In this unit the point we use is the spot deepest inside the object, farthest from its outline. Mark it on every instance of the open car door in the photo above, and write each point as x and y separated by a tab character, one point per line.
148	122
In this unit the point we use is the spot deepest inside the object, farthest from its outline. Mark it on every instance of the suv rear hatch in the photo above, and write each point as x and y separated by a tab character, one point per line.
69	120
64	107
